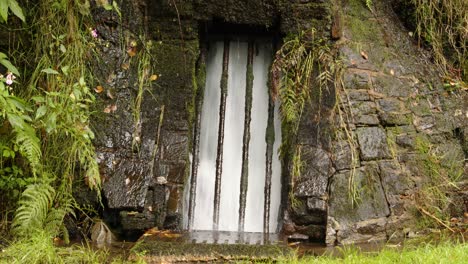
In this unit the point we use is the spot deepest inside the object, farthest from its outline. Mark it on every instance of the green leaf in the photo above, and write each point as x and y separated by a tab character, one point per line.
65	69
16	9
116	8
50	71
19	103
51	123
41	111
4	10
38	99
16	121
9	66
107	6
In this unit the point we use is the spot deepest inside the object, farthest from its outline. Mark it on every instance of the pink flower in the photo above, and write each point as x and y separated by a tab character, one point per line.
9	78
94	33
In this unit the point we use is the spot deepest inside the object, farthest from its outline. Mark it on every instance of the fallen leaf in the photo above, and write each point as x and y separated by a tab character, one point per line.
109	94
111	78
99	89
131	51
364	55
110	109
153	77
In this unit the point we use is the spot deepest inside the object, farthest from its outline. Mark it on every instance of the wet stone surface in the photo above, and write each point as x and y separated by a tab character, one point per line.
372	143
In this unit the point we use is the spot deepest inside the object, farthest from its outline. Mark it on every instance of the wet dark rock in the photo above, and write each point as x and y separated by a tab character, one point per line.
174	146
371	200
313	232
342	156
372	143
131	220
305	215
127	186
173	221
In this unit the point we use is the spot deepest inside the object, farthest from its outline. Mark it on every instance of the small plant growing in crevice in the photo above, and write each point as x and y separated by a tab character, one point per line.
442	174
296	170
304	66
444	26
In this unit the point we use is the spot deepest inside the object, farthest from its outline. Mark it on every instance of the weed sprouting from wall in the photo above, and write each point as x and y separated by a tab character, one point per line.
145	77
303	68
443	172
345	134
444	26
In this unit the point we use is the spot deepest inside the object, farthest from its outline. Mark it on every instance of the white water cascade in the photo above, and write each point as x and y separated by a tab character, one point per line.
229	160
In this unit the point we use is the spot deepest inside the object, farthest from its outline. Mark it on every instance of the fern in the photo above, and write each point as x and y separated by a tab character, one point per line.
37	211
294	70
29	146
34	205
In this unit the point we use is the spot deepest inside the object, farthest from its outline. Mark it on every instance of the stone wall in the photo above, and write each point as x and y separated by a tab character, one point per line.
364	129
392	99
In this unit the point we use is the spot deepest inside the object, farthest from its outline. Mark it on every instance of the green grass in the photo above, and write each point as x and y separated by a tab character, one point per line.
41	249
426	253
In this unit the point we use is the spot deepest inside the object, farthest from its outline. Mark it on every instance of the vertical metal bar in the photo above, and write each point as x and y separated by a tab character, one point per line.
219	155
270	140
200	82
246	139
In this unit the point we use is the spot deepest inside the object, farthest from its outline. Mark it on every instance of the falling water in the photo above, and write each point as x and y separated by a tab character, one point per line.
233	142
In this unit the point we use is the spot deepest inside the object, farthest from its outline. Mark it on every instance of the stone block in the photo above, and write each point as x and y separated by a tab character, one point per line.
316	204
316	186
136	221
391	86
372	143
176	173
363	108
127	186
394	119
173	146
314	232
355	95
353	59
371	201
394	180
367	120
301	214
342	157
356	80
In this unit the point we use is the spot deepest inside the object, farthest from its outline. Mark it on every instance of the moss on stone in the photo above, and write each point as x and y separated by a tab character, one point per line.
183	251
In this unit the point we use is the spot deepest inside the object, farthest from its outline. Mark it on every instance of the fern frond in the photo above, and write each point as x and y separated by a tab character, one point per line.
34	206
29	146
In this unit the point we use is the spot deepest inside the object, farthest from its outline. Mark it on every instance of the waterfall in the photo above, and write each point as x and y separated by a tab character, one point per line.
224	148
